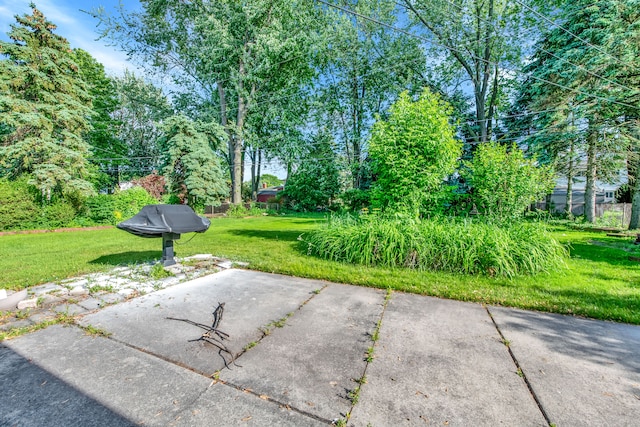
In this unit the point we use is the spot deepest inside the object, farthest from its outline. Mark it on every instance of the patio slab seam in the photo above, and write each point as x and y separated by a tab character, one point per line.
374	340
520	371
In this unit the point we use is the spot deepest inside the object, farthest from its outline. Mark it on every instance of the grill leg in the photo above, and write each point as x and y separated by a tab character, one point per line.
167	248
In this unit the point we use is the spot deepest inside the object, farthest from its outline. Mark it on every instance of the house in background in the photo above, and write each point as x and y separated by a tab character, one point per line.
605	194
267	193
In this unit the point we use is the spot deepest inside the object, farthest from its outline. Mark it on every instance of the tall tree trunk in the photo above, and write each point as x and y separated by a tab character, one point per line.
254	180
570	174
225	124
238	143
590	186
258	174
634	166
635	207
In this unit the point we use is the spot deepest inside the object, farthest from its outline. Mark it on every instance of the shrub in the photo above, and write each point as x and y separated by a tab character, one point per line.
100	209
355	199
412	153
450	245
316	181
130	201
113	208
503	182
59	214
18	208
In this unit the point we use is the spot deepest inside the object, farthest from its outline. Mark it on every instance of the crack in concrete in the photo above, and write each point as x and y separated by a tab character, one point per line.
520	370
374	340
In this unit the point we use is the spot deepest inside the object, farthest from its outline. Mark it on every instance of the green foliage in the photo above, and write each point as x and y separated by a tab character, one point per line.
355	199
113	208
386	62
109	153
159	272
504	183
129	202
240	211
44	106
17	205
412	153
58	214
140	107
193	172
100	208
270	180
456	246
315	183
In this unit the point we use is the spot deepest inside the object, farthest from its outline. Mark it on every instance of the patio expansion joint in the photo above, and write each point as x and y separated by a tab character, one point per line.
369	359
275	401
520	370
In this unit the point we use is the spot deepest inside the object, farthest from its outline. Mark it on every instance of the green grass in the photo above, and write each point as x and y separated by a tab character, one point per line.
599	282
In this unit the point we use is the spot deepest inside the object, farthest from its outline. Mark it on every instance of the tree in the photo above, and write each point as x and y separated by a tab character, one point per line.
504	184
191	170
591	92
479	39
45	109
141	107
109	153
413	151
368	66
270	180
225	54
315	182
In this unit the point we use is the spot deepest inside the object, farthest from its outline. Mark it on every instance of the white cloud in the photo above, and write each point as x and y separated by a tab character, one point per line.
77	27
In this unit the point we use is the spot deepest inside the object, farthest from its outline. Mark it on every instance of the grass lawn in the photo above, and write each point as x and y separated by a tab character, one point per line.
600	282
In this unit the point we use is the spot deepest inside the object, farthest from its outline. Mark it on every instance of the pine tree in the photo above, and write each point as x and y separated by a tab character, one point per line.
45	109
585	75
191	169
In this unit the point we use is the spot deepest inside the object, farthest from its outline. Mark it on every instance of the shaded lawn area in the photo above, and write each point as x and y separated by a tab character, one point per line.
600	281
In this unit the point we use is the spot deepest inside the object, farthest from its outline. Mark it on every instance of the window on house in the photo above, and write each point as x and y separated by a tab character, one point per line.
608	194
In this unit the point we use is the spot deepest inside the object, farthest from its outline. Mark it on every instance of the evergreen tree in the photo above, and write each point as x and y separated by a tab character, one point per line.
586	74
44	109
191	169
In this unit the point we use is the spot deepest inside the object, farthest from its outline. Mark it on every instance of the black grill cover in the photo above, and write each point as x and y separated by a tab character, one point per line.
154	220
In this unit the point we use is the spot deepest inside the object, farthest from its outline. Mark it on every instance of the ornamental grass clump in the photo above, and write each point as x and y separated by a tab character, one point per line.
449	245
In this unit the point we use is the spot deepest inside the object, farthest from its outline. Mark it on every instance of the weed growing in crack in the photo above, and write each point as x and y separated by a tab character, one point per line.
22	314
159	272
93	331
250	345
369	355
100	288
65	318
354	395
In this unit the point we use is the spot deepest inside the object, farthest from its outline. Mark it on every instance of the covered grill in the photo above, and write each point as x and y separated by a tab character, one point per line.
168	222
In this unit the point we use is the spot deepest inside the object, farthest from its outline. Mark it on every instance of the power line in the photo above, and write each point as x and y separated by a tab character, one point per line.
554	55
453	49
574	35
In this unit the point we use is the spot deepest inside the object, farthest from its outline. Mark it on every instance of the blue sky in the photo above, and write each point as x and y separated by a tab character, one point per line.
77	27
80	30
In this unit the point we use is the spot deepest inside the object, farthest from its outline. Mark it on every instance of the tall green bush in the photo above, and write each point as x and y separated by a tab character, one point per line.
503	182
412	153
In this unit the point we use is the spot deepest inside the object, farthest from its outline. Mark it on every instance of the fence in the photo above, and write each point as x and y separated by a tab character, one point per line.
608	214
